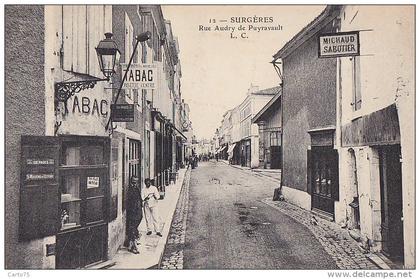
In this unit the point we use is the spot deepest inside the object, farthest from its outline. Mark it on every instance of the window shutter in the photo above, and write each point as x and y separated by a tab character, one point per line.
124	175
309	171
335	175
113	209
67	38
107	160
39	188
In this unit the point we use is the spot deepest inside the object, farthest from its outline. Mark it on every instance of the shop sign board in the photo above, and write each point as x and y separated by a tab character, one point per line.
338	44
92	182
140	76
122	112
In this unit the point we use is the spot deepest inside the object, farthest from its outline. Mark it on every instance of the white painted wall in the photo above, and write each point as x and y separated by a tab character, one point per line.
387	77
386	55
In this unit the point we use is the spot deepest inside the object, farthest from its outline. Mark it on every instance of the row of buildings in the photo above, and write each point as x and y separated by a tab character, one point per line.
344	125
68	160
238	140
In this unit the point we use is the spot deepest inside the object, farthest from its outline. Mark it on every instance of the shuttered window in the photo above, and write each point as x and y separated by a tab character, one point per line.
83	28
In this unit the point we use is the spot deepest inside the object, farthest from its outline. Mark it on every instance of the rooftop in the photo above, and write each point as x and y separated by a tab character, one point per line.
268	91
327	15
261	114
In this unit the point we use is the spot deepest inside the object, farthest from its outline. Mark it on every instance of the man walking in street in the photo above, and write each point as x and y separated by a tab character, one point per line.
150	196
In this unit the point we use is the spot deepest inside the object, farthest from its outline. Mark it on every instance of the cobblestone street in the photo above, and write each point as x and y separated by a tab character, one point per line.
263	229
335	240
331	246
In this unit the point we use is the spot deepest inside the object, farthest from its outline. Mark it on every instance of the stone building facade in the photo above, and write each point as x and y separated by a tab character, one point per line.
67	171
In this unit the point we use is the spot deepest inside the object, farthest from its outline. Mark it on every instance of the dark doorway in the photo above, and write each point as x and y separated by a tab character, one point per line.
275	152
391	202
247	149
324	172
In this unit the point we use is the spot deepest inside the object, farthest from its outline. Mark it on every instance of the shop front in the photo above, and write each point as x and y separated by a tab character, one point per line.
65	192
245	155
163	151
376	141
322	162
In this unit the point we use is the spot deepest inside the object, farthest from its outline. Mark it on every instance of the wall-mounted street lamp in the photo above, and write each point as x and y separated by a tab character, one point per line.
108	56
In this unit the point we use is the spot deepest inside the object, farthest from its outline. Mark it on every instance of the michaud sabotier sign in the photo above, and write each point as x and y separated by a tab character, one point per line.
339	44
140	76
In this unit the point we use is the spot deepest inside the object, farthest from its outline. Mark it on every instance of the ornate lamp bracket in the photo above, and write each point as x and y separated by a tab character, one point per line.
64	90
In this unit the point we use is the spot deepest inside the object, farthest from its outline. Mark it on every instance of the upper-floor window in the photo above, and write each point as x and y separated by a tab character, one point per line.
83	26
246	112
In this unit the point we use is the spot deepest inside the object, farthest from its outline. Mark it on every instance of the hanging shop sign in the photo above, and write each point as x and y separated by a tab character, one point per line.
140	76
339	44
122	112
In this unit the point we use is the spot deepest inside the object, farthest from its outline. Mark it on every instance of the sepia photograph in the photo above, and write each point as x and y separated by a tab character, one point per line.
210	137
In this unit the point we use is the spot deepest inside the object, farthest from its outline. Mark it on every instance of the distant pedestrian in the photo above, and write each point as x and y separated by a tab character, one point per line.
150	195
192	162
134	214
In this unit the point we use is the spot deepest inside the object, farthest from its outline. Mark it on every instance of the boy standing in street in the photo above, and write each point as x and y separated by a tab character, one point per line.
150	196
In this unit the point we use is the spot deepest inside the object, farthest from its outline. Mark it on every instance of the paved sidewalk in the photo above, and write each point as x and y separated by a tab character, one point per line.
152	246
336	241
173	257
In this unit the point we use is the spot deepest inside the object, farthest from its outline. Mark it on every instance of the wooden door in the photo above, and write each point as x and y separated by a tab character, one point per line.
391	201
324	168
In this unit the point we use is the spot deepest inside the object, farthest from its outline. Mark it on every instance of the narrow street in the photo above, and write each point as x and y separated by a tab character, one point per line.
228	227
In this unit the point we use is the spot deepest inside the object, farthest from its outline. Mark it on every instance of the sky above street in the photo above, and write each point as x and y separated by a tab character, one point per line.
217	68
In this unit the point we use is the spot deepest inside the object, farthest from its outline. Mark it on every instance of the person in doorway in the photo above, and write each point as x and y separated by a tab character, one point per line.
150	196
134	214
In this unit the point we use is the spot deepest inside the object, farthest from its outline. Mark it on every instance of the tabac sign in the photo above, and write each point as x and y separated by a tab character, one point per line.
338	44
140	76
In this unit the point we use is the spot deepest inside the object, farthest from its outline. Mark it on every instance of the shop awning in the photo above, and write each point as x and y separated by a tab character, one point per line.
223	148
231	147
178	131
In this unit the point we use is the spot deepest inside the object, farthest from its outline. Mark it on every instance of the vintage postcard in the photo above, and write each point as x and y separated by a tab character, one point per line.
147	136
